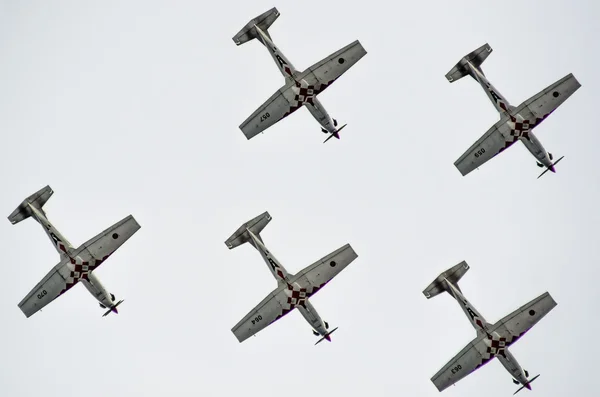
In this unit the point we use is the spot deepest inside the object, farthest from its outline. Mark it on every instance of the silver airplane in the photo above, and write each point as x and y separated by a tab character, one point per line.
516	123
301	88
492	340
76	264
293	291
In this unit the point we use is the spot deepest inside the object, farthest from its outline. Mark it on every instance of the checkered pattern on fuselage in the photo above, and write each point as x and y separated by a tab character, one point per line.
521	129
81	271
305	94
297	297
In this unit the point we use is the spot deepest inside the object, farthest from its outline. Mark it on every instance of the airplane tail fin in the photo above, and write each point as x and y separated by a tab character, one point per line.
451	275
242	236
263	22
326	336
551	168
37	200
475	58
526	385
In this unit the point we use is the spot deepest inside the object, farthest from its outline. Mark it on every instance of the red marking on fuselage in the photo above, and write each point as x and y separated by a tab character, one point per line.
478	322
299	302
81	271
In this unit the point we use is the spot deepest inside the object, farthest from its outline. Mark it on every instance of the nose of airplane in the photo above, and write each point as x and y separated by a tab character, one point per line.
551	168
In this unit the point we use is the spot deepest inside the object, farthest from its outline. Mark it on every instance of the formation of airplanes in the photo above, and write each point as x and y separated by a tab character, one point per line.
293	291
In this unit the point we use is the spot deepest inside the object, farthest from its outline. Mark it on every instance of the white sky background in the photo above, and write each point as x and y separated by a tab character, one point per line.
134	106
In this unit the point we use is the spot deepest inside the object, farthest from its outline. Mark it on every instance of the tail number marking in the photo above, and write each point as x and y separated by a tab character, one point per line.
264	117
42	294
456	369
479	152
256	319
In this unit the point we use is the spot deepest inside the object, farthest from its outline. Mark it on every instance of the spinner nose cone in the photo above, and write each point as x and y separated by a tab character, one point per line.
328	338
551	168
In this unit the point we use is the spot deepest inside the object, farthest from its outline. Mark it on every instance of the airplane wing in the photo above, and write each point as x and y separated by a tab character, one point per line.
307	85
489	145
285	298
314	277
281	104
320	75
83	260
471	358
541	105
100	247
50	288
513	326
271	309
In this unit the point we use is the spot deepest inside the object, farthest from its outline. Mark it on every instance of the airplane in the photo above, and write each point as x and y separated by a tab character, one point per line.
516	123
76	264
301	88
293	291
492	340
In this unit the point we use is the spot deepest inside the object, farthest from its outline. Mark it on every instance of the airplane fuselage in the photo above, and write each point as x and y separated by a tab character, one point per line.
528	139
283	277
65	250
509	362
291	75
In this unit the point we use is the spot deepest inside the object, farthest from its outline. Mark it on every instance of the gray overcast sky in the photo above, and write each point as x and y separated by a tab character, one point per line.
133	107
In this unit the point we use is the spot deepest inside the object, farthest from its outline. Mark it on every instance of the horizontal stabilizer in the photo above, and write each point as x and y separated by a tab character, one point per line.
37	200
255	225
452	275
475	58
263	22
